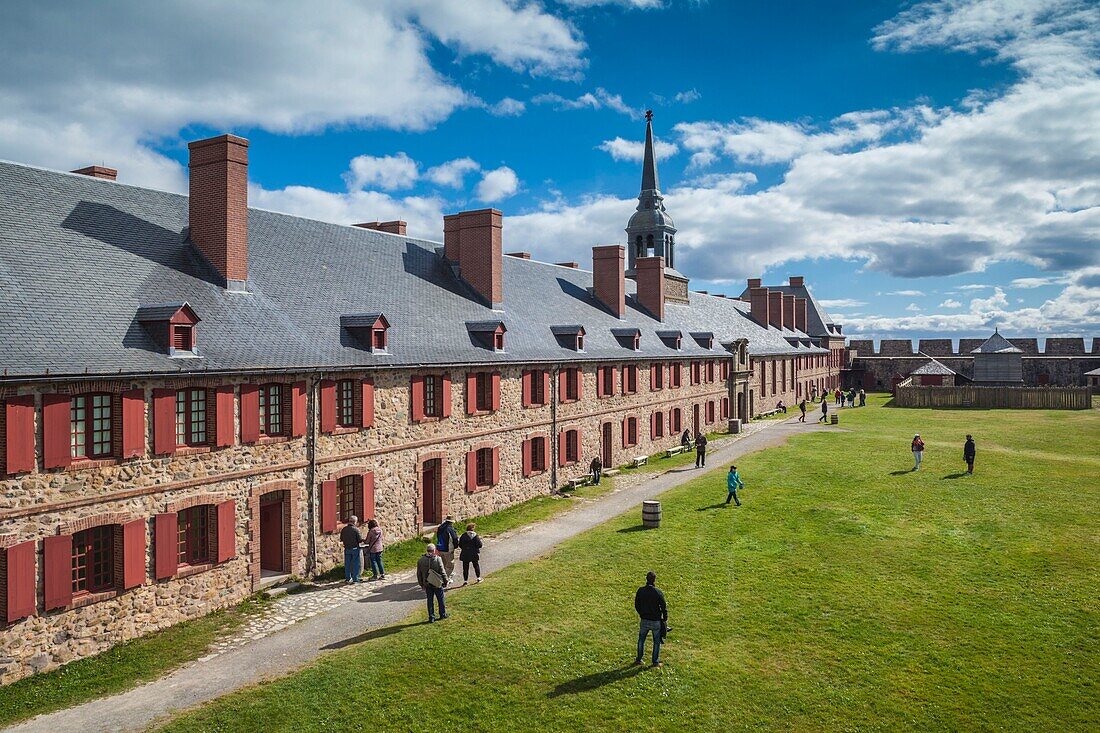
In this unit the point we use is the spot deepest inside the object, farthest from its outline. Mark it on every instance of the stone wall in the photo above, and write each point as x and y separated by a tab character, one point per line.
878	372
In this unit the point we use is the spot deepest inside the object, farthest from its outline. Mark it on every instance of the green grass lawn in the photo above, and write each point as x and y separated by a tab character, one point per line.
848	593
126	665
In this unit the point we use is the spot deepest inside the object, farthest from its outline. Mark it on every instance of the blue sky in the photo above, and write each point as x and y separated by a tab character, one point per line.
933	168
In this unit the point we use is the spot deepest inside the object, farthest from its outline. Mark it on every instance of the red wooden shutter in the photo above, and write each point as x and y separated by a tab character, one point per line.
471	470
328	405
57	571
496	390
545	386
622	426
546	453
250	413
561	448
328	506
653	426
223	415
416	388
471	393
579	381
164	421
367	498
527	446
599	382
528	376
445	410
56	452
133	554
19	434
366	420
563	377
133	423
227	530
298	409
496	466
20	589
166	545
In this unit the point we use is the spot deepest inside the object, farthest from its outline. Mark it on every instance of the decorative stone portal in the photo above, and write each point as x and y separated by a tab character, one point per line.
273	513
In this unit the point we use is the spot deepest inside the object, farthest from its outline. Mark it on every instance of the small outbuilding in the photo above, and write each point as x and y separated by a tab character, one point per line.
1092	379
998	362
933	374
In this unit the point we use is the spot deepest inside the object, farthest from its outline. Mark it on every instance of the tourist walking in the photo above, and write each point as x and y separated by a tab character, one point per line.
374	550
469	545
432	578
802	409
446	540
824	410
700	450
733	483
969	451
839	397
918	451
352	539
652	610
596	469
862	397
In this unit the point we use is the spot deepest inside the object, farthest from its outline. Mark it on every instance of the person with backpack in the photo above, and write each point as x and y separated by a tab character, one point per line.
446	540
802	409
432	578
373	550
652	610
596	469
918	451
824	410
969	452
469	545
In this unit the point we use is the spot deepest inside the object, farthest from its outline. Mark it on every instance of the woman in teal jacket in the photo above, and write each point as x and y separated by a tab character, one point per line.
733	483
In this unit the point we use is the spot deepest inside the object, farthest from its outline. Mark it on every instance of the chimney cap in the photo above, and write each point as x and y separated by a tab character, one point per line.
218	139
98	171
518	255
572	265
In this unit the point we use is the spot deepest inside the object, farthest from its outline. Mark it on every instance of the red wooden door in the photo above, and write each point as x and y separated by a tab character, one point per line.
605	446
271	536
431	483
695	419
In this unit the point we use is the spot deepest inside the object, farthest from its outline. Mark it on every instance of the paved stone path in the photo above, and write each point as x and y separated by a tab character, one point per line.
295	629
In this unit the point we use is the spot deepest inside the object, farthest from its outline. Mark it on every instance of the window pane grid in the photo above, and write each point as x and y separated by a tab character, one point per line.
345	492
198	416
345	403
193	535
93	559
484	459
101	425
429	396
77	424
271	415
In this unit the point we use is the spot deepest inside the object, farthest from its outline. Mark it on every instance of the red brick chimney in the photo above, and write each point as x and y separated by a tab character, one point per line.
775	308
518	255
570	265
800	314
758	300
755	282
788	312
390	227
98	171
796	281
218	206
649	272
608	280
473	239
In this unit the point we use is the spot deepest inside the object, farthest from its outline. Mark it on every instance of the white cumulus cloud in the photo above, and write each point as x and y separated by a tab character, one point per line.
497	184
452	173
388	172
634	150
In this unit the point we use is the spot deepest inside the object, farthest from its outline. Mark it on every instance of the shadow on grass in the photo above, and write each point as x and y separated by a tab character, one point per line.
594	681
719	505
372	634
396	592
956	475
902	472
635	528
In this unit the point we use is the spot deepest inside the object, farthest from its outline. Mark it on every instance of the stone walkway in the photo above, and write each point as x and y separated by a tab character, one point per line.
295	629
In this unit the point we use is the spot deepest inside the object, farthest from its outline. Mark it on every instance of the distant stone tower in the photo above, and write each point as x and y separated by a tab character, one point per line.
651	231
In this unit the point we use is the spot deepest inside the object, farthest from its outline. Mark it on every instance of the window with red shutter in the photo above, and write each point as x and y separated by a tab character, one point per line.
538	454
165	545
57	573
191	417
133	553
18	582
193	533
366	386
326	396
19	434
227	530
328	506
90	426
183	337
345	403
366	501
484	459
348	491
271	409
250	413
93	560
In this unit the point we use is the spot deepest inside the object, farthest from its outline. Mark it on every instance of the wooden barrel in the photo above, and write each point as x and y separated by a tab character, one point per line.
836	419
651	514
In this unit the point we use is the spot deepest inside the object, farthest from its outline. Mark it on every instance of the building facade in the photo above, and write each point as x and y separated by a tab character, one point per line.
195	394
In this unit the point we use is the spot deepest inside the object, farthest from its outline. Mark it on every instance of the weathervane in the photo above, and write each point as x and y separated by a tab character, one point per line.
648	115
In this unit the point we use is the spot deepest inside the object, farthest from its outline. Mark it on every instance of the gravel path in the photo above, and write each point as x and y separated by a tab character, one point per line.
298	628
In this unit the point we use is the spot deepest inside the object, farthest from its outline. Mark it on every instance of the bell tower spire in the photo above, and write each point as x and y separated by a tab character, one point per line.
651	231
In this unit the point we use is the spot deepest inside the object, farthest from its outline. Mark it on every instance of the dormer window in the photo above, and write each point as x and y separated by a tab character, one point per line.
671	339
487	334
172	326
705	339
628	338
370	329
569	337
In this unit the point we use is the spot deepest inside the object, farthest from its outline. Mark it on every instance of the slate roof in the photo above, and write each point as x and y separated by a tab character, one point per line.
932	367
997	344
79	256
817	320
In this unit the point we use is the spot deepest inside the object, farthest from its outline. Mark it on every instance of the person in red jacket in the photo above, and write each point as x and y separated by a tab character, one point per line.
918	451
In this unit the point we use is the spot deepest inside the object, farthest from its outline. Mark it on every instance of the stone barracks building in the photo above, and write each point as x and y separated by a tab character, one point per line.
194	394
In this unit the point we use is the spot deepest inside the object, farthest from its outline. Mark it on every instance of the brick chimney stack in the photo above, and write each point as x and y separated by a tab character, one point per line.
390	227
788	312
98	171
775	308
650	276
474	240
800	314
755	282
758	300
218	205
796	281
608	279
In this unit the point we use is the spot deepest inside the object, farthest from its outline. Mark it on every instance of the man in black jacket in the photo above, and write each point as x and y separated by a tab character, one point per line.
351	538
649	602
969	451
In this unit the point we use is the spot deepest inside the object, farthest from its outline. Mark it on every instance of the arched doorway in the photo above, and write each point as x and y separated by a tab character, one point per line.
274	521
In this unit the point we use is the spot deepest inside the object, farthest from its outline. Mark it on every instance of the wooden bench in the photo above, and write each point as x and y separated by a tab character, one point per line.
611	472
769	413
640	461
674	451
576	483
